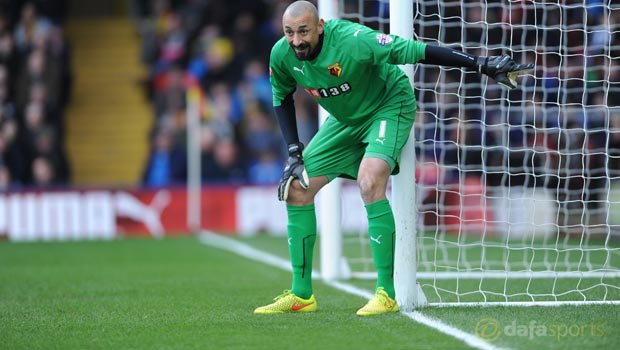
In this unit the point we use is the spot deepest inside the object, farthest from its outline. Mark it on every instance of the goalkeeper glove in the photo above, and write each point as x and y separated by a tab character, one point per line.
502	69
294	169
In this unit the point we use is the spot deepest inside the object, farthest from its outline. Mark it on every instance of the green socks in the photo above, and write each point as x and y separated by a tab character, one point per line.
301	238
302	235
381	230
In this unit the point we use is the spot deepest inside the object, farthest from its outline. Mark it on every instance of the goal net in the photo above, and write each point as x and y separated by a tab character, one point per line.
517	192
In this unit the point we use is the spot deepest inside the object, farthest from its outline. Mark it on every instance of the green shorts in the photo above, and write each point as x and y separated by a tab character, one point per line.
338	149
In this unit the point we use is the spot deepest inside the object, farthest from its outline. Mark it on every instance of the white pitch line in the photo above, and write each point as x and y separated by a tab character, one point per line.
245	250
231	245
468	338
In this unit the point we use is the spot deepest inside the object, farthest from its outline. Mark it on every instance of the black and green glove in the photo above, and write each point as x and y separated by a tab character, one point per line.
294	169
502	69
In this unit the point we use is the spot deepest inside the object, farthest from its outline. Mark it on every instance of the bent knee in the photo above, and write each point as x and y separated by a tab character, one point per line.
367	185
297	195
372	188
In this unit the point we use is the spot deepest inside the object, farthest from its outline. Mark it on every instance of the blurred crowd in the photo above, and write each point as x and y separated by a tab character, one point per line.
35	83
216	55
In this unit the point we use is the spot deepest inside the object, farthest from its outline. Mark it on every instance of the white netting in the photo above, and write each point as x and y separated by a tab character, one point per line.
518	192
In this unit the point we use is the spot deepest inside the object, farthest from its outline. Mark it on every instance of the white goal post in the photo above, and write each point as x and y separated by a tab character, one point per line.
517	199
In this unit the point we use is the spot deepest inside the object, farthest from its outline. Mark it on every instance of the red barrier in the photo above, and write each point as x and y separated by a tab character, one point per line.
102	214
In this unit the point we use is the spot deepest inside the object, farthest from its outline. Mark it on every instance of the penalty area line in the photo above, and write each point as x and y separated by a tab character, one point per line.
244	250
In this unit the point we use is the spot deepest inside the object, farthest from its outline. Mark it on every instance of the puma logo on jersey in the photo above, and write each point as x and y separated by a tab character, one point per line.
376	239
381	141
301	70
356	32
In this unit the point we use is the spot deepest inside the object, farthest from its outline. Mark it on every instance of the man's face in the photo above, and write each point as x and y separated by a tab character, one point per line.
302	33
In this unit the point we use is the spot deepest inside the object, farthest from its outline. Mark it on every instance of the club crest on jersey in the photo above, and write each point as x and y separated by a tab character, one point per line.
384	39
335	69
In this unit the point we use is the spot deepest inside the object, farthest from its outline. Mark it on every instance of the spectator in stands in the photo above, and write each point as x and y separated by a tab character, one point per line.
7	47
208	140
226	166
46	144
172	44
43	174
166	163
33	120
6	182
265	147
38	94
11	156
198	63
29	27
153	28
225	104
192	13
255	85
33	123
260	134
58	52
219	66
244	36
170	92
265	168
5	85
270	30
38	69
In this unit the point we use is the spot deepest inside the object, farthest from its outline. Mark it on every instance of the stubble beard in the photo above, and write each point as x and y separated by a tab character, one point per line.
302	55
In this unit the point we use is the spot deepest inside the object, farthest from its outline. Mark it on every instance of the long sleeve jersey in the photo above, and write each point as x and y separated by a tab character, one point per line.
354	74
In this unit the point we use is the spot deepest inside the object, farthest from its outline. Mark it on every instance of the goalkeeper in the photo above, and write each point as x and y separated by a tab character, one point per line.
351	71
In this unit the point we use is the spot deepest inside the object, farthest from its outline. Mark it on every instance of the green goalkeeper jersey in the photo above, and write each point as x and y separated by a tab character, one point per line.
354	74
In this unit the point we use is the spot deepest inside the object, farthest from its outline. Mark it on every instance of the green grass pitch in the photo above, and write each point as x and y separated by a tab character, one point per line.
181	294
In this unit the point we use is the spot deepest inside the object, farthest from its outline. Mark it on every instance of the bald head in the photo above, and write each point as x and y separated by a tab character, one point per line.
300	8
302	29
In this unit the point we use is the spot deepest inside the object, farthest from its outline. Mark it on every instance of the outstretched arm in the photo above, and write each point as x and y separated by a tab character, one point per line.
501	68
444	56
